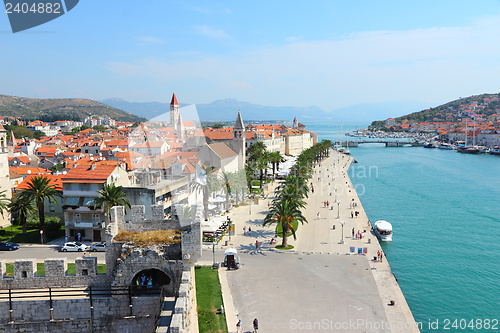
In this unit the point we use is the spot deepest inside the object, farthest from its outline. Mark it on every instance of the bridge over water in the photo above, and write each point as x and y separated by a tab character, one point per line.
388	143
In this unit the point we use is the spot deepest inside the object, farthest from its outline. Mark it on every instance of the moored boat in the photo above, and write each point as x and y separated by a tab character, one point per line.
383	229
495	150
429	145
469	150
446	146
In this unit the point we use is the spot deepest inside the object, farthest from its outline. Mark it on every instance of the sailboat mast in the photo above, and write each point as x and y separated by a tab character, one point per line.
474	134
466	132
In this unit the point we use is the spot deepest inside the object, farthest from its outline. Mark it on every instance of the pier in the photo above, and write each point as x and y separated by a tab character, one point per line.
387	143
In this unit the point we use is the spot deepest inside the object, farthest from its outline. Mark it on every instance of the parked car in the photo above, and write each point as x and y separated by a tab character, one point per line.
73	247
98	247
8	246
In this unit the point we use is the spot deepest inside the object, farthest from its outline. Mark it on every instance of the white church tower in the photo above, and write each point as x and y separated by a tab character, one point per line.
239	141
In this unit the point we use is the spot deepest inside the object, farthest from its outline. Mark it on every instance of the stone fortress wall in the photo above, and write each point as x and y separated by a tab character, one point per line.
123	263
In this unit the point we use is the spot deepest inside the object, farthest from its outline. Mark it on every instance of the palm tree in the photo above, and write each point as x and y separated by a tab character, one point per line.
275	158
226	181
250	169
111	196
255	149
23	208
4	202
284	213
261	165
240	184
293	187
209	184
39	189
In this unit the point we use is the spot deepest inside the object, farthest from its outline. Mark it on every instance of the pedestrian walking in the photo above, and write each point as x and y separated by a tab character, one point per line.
244	230
65	239
317	216
238	327
255	325
249	231
381	256
327	204
378	255
352	230
352	214
256	245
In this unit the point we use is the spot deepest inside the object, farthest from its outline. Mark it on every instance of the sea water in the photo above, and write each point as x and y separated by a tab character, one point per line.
445	211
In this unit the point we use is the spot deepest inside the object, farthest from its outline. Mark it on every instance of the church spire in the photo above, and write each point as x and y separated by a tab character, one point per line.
239	122
12	140
174	101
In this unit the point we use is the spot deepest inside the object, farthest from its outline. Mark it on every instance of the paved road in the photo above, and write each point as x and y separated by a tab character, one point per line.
306	293
42	252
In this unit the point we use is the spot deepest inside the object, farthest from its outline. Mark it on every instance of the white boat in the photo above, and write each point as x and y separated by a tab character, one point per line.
383	229
446	146
495	150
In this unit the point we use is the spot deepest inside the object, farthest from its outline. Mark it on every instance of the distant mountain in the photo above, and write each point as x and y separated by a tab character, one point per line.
226	109
35	108
223	109
146	110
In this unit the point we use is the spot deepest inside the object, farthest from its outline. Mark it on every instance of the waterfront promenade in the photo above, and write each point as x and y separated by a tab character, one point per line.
319	285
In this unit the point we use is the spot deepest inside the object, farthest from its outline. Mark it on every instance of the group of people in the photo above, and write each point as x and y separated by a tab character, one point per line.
353	204
326	204
144	280
247	232
380	255
354	214
274	239
358	234
239	324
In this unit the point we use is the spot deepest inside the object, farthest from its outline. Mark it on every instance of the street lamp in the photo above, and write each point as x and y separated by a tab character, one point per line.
213	251
342	224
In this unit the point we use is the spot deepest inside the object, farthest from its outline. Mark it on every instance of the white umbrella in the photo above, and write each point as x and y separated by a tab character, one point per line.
218	199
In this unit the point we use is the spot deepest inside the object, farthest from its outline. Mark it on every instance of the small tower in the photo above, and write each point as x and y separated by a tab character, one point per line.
179	131
174	112
12	140
239	140
295	123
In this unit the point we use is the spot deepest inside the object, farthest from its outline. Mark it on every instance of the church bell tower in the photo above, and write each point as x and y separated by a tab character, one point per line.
239	140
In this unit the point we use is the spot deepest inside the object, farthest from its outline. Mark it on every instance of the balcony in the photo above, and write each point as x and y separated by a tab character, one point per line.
83	224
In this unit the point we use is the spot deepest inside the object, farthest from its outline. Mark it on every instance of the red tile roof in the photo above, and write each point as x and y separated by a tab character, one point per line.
83	173
53	179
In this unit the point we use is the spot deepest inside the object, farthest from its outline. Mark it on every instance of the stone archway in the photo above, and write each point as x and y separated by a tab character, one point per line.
159	278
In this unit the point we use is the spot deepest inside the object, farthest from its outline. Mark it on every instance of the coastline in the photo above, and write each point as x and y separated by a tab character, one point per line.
385	279
315	238
341	287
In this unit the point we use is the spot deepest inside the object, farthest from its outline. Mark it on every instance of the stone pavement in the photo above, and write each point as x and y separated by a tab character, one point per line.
318	255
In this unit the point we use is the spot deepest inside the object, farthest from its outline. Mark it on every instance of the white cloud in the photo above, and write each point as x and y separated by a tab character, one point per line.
207	31
431	65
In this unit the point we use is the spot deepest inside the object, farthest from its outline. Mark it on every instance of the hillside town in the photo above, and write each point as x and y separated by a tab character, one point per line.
457	121
155	162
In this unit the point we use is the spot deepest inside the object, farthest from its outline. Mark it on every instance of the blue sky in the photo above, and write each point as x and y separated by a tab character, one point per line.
331	54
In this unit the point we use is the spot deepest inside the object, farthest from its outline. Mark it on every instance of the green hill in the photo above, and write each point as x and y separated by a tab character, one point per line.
454	107
485	104
59	108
